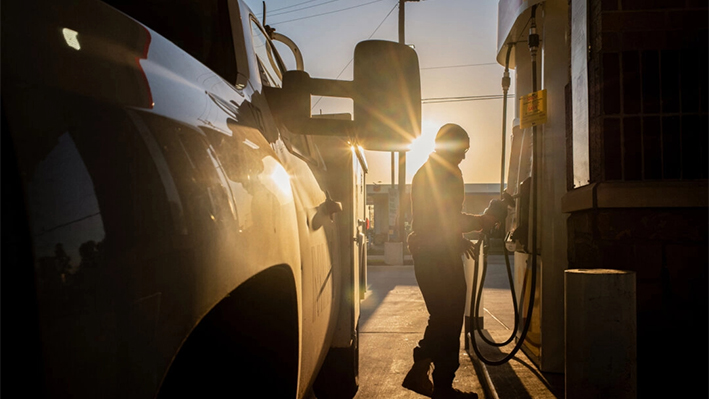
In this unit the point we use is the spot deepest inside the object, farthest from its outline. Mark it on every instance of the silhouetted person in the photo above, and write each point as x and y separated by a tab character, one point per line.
437	246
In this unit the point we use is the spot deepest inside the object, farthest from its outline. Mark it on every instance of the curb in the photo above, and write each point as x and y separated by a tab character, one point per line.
483	377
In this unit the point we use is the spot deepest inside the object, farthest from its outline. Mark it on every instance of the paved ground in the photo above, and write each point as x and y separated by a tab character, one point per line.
393	320
519	378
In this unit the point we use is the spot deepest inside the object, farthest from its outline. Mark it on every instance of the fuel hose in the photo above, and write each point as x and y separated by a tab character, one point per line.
533	43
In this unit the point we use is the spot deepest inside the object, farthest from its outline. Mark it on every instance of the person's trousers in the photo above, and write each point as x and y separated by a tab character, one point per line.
441	278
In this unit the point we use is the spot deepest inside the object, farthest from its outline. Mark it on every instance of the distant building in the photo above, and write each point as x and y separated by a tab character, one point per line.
382	204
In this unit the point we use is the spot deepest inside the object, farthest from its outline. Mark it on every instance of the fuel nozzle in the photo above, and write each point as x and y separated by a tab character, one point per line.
498	207
508	199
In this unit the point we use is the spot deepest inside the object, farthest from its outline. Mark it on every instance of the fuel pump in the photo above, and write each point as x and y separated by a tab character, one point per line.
524	235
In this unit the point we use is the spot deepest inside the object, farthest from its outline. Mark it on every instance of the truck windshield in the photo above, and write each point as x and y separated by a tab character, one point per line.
201	28
269	66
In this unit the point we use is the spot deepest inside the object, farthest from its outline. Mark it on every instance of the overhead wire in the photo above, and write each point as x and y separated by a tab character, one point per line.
459	66
286	7
435	100
327	13
383	20
352	59
301	9
438	100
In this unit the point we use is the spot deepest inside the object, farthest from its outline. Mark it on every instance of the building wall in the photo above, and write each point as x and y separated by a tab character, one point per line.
667	248
647	73
381	218
648	89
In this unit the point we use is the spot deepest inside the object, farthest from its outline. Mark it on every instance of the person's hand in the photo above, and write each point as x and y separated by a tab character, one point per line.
495	213
497	209
488	222
469	249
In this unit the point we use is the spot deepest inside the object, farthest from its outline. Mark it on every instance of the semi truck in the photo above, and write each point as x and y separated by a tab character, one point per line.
176	222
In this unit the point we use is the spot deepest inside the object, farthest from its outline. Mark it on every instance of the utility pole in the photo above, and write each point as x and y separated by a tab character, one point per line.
391	189
402	23
394	249
402	154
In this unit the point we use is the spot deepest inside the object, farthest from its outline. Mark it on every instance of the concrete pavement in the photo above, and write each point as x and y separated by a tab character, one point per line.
394	317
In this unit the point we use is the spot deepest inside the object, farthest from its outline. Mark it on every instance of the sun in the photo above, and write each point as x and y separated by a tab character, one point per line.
422	147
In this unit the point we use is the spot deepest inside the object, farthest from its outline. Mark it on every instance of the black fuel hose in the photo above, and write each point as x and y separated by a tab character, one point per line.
486	242
505	88
533	44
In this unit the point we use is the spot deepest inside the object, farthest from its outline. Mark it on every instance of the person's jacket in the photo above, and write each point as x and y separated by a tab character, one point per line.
437	196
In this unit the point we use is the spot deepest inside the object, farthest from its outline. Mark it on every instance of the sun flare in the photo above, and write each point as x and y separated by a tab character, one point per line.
423	146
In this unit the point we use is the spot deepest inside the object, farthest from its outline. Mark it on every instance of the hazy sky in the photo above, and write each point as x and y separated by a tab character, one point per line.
456	44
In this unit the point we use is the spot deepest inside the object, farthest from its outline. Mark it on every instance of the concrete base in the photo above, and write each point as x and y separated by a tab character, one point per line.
601	334
394	253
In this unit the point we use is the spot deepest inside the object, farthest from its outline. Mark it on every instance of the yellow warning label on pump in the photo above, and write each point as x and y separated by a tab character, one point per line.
533	109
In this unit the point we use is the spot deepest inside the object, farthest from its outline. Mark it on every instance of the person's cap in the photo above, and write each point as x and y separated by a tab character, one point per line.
451	137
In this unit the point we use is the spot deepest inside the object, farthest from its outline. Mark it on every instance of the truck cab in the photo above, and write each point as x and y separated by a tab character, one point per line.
182	224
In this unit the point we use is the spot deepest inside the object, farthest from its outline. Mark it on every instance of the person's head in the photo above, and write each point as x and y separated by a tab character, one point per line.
452	142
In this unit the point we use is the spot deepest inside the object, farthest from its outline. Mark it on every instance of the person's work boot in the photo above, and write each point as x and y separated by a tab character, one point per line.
417	379
452	393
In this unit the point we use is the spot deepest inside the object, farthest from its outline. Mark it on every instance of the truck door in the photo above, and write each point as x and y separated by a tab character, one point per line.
316	210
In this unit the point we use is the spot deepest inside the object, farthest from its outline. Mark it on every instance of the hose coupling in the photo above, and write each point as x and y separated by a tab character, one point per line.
506	81
533	40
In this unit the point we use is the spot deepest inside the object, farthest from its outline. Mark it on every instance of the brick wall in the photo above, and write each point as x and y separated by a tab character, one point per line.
648	89
667	248
648	122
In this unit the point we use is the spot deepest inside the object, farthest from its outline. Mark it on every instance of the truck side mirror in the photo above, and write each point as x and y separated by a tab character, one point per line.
387	107
386	92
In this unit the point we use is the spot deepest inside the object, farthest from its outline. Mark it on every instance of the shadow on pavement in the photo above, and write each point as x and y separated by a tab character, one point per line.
519	378
379	284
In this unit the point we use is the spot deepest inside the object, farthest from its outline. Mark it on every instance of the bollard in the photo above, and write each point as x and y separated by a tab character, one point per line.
394	253
601	331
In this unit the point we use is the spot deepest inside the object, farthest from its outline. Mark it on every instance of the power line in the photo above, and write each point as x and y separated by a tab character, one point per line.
301	9
460	66
352	59
439	100
382	23
329	12
370	36
286	7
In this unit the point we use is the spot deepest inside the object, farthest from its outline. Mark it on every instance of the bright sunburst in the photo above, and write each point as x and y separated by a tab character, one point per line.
423	146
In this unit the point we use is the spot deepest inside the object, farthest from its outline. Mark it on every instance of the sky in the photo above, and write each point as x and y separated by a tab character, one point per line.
456	44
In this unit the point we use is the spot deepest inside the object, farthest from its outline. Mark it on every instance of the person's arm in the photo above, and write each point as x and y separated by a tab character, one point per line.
496	212
470	222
